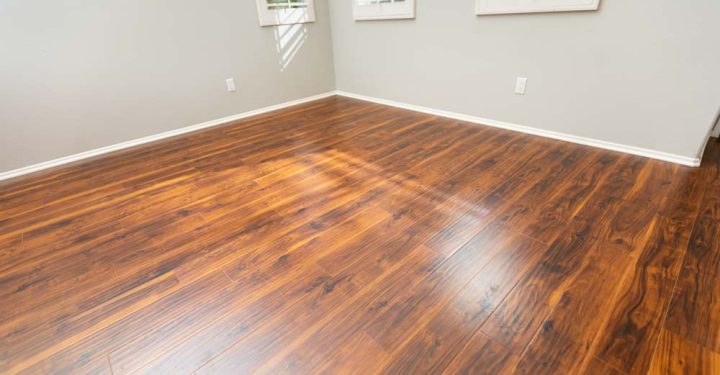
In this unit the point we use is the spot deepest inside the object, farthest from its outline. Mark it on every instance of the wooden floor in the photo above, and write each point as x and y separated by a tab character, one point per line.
342	237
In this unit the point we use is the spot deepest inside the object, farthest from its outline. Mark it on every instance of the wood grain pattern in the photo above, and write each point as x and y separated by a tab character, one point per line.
693	313
343	237
630	337
677	356
597	367
482	356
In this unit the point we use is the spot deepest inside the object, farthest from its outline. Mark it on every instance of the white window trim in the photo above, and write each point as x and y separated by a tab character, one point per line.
489	7
270	17
387	11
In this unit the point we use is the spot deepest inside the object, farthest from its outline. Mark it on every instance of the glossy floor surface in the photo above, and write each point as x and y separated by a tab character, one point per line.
342	237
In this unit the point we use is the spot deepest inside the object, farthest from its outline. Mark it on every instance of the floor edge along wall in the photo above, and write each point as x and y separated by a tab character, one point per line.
653	154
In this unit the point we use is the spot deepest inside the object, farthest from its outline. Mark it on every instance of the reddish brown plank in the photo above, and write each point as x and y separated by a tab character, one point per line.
677	356
340	236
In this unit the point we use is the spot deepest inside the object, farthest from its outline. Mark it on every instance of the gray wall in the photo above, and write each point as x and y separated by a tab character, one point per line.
81	74
637	72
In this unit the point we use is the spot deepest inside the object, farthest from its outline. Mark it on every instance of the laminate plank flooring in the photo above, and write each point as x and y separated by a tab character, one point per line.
344	237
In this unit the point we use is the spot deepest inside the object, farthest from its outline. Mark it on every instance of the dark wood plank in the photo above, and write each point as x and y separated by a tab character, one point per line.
114	328
575	320
518	318
693	313
598	367
482	356
433	347
285	271
677	356
327	332
703	255
546	209
341	236
630	337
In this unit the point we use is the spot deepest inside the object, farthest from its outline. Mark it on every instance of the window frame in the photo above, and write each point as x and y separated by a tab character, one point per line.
384	11
276	17
482	8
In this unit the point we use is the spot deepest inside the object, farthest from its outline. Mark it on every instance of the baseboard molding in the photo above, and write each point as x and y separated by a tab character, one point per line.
684	160
653	154
152	138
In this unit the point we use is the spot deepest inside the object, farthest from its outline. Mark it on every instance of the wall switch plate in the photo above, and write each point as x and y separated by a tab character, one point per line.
230	83
521	85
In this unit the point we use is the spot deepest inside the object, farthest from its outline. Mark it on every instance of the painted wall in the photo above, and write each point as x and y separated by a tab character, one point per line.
642	73
76	75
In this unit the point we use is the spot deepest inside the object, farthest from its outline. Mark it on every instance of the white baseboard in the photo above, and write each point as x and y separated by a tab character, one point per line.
678	159
659	155
152	138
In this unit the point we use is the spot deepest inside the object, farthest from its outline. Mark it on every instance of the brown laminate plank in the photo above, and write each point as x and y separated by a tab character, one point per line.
598	367
703	255
34	218
630	337
411	309
253	351
182	356
433	347
85	346
517	319
482	356
361	355
677	356
340	236
693	313
575	320
178	352
545	210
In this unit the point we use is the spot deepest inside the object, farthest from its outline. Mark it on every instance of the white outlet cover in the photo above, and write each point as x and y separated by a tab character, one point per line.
230	83
521	85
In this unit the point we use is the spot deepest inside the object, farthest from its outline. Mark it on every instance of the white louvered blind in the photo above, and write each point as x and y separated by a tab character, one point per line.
383	9
285	12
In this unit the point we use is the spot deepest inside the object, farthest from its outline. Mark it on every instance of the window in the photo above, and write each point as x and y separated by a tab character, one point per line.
535	6
285	12
383	9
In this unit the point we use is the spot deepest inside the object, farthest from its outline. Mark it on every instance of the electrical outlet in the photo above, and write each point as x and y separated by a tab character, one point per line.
230	83
521	85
